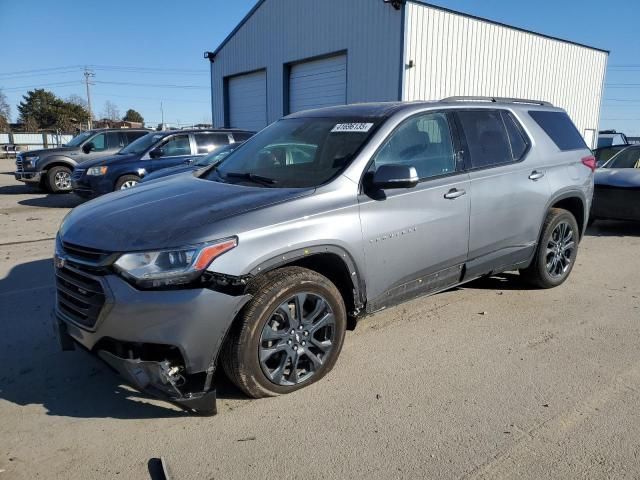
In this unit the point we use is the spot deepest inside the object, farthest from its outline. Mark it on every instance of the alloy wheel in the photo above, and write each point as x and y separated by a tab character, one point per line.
128	184
560	250
297	339
63	180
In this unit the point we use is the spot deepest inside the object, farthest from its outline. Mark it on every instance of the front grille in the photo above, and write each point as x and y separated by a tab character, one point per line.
80	296
86	254
19	164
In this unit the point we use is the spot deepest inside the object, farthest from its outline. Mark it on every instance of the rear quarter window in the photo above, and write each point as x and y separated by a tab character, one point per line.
559	127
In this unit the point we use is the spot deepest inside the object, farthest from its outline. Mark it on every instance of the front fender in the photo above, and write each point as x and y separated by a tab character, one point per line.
45	163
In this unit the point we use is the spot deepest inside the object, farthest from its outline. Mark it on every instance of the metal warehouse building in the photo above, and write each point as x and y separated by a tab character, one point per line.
291	55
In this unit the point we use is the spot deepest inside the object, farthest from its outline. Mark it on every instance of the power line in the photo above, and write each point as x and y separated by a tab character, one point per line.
40	85
156	85
114	68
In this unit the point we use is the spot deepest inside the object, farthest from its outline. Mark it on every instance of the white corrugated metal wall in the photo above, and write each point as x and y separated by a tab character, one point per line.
284	32
457	55
318	83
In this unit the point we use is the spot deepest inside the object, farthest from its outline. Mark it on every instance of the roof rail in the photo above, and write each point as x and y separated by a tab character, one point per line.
497	100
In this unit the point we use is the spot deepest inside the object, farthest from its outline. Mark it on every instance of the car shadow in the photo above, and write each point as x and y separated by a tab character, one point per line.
18	190
36	372
614	228
502	281
63	200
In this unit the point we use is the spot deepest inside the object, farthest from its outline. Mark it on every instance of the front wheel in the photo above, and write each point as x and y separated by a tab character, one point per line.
556	252
127	181
288	336
58	179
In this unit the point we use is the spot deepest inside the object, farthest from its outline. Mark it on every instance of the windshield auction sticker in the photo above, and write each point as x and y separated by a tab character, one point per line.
352	127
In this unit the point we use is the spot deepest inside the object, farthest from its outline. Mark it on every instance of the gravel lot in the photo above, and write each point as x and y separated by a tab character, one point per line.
492	380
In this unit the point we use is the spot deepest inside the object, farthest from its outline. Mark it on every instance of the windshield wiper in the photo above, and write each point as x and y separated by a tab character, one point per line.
251	177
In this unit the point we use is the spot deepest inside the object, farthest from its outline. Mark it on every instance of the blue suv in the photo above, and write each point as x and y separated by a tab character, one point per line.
154	151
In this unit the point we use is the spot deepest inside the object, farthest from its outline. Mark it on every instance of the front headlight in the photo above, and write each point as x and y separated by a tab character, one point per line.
31	161
97	171
176	266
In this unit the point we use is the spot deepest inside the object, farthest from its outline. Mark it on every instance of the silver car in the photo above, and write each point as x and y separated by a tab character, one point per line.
260	263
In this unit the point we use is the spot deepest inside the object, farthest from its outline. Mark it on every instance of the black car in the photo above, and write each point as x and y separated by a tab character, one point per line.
155	151
617	187
216	155
51	168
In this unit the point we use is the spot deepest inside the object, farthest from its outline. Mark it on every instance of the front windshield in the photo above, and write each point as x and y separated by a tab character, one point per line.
296	152
78	139
628	158
142	144
216	155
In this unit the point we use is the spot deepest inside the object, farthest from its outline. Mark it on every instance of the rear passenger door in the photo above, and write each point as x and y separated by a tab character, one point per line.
509	190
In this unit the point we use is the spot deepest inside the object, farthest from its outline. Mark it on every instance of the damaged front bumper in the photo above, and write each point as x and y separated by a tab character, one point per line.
164	343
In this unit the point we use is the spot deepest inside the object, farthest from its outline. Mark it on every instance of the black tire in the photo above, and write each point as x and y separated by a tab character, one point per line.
125	179
240	354
58	179
538	273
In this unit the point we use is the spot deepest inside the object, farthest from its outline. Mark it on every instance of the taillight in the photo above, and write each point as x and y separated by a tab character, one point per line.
590	162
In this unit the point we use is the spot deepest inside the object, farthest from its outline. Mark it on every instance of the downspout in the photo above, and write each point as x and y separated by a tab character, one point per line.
211	56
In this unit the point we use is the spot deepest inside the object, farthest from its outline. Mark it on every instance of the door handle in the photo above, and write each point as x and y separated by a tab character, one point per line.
536	175
454	193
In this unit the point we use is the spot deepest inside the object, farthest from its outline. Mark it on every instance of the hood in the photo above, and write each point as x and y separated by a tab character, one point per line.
165	172
45	152
618	177
110	160
182	210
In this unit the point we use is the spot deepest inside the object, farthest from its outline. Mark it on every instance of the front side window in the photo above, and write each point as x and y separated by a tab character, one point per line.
422	142
628	158
487	138
99	142
206	142
296	152
176	146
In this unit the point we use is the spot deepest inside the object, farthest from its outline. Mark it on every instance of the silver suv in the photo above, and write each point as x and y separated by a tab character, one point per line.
261	263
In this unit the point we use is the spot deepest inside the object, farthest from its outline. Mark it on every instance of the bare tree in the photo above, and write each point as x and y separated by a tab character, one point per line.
77	100
111	111
5	113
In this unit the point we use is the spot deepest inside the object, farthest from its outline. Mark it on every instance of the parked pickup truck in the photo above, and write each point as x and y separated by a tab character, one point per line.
51	168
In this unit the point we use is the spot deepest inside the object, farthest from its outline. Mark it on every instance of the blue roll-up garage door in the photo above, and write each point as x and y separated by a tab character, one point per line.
318	83
247	96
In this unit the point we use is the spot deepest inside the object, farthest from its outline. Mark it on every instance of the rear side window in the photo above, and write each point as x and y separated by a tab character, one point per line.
559	127
115	140
487	138
208	141
242	136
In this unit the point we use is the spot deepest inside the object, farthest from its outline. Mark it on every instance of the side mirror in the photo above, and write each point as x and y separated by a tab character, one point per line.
88	147
156	152
395	176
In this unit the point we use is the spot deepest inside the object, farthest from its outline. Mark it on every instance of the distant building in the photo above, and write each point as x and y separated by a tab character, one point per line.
106	123
292	55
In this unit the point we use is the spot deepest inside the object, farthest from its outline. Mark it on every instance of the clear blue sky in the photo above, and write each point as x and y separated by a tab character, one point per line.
172	36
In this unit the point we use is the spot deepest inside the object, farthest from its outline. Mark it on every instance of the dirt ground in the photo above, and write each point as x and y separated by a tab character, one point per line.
492	380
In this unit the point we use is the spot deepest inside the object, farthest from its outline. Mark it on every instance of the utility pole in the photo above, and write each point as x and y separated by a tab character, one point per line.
162	115
87	74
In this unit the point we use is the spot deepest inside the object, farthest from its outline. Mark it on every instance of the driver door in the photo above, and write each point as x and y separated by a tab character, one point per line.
416	239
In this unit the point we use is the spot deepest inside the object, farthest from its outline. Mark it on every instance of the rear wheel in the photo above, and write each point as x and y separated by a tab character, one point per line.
58	179
556	252
127	181
288	336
